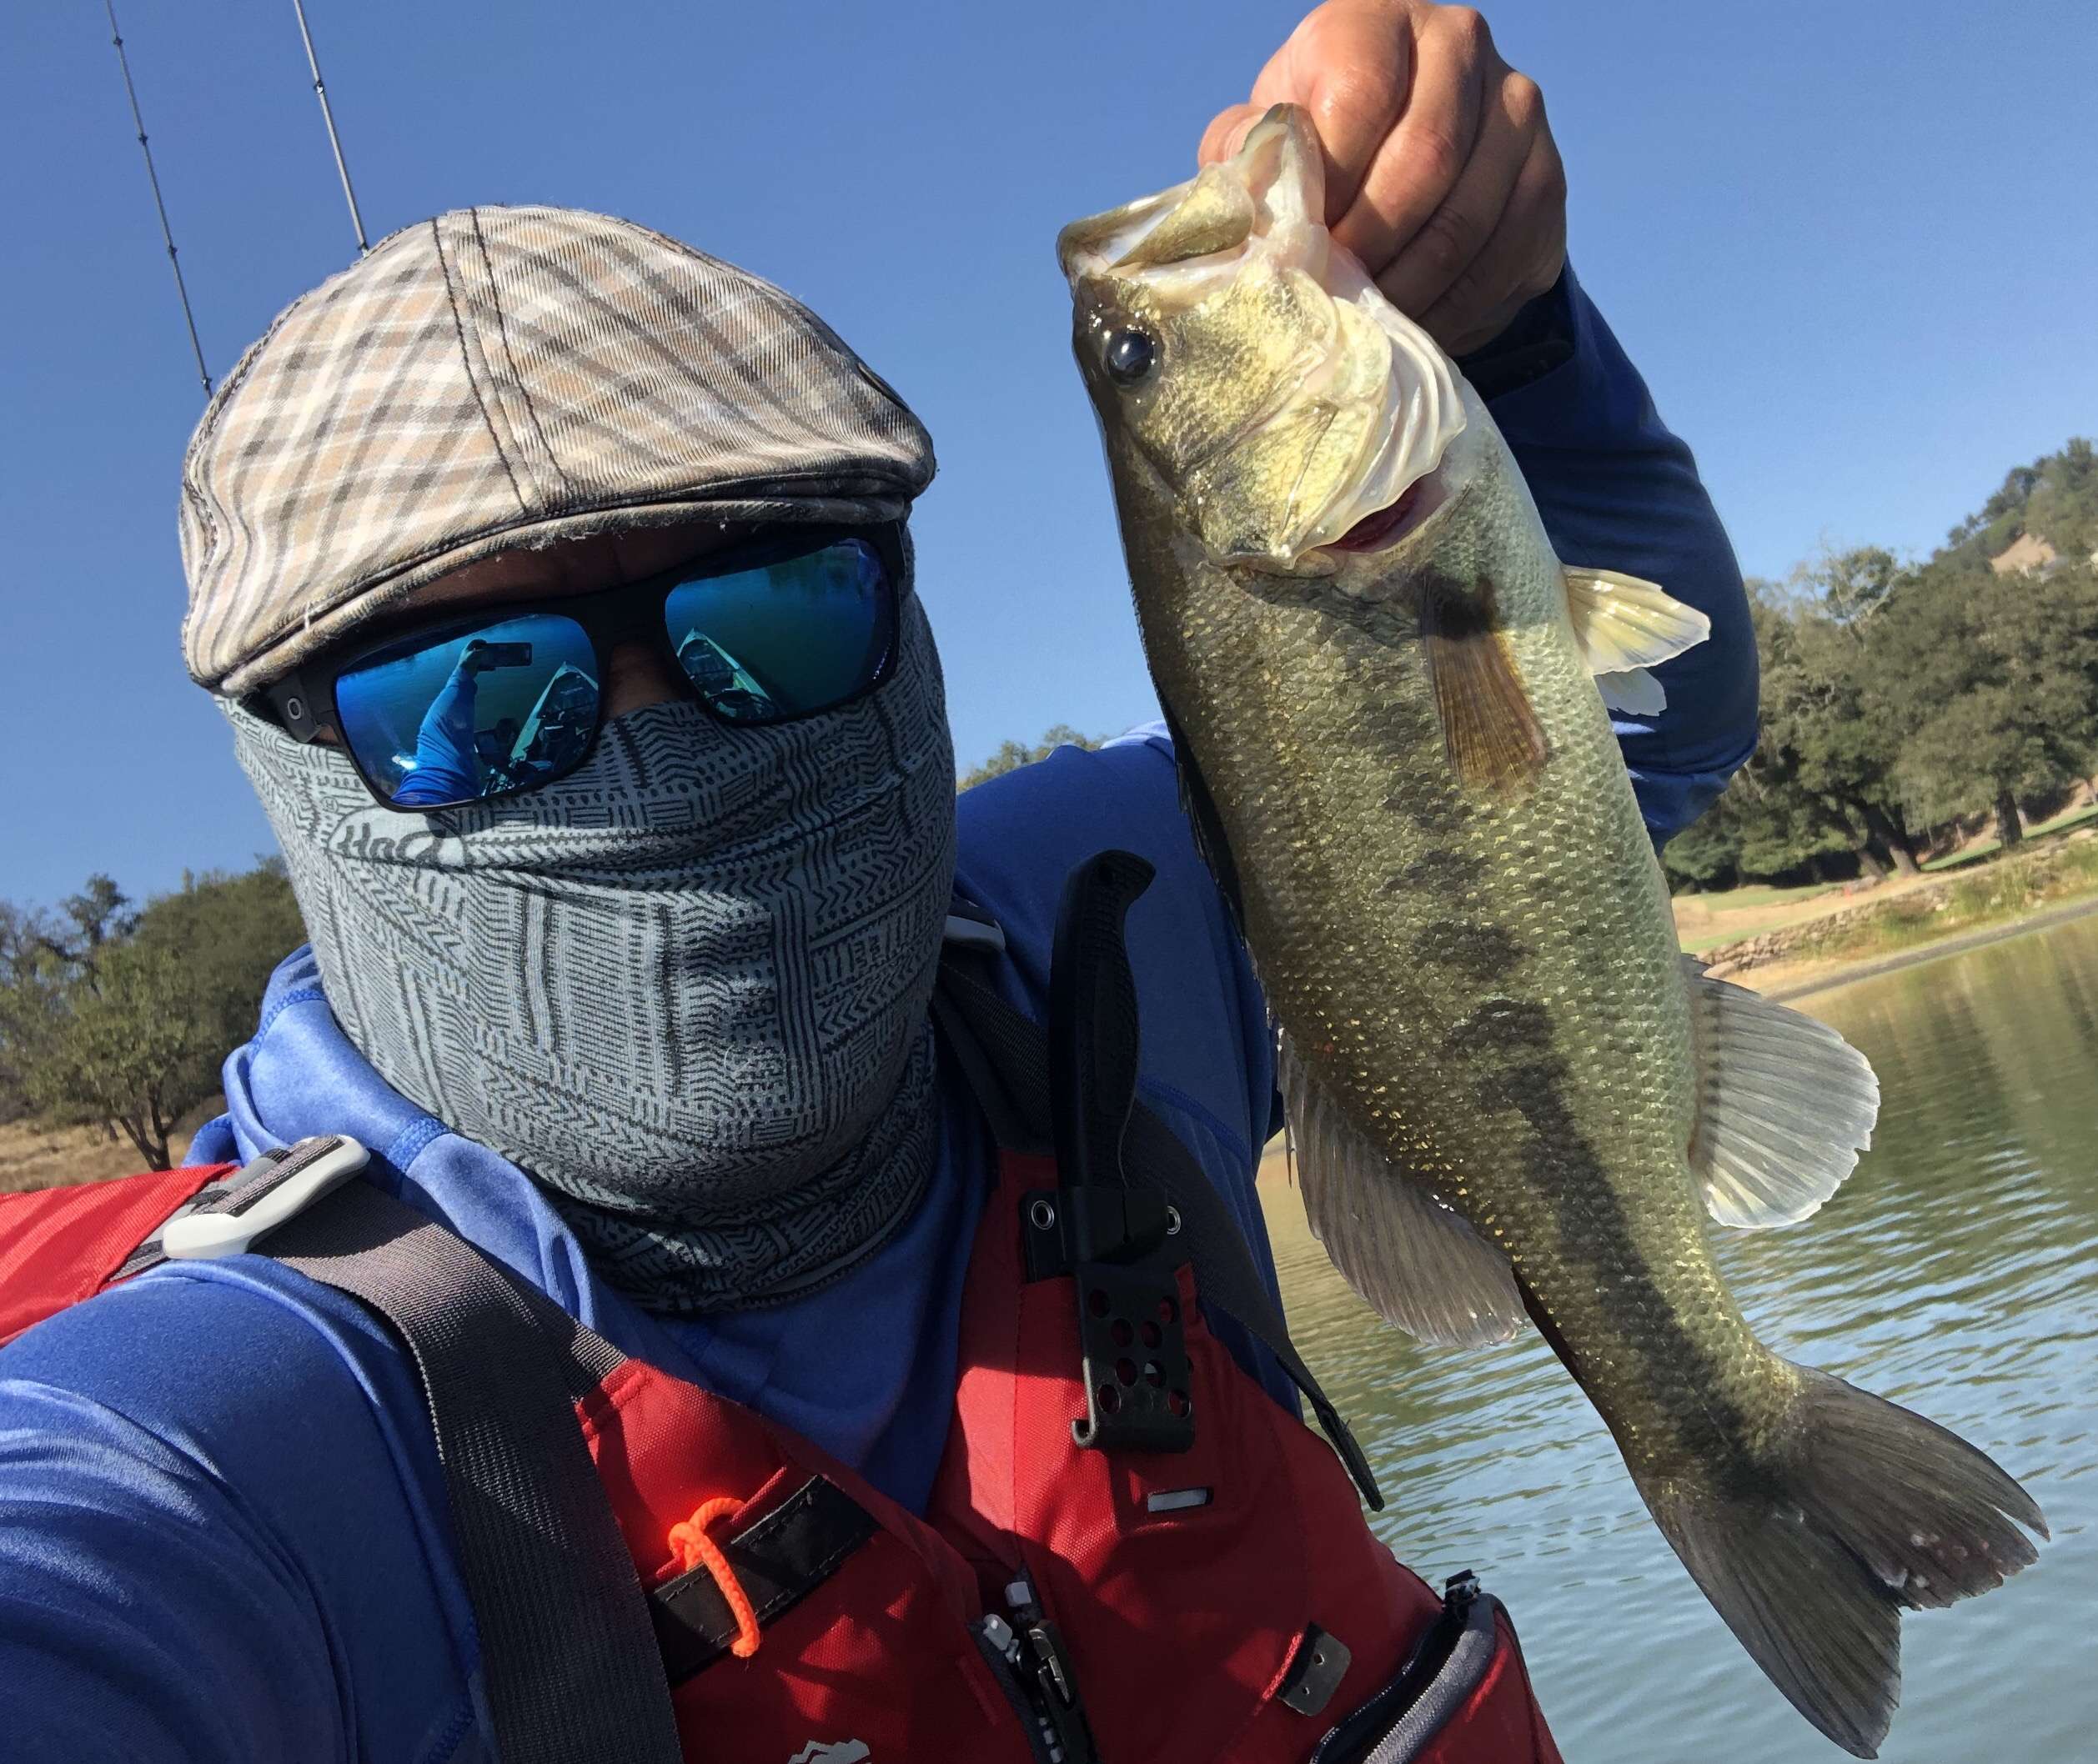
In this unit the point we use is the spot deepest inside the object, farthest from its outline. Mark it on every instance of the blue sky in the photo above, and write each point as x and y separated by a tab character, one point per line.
1850	245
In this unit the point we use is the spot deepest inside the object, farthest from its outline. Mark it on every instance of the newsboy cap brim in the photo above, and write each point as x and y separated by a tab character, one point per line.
498	378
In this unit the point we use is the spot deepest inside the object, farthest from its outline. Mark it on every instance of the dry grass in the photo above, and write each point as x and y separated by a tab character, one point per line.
55	1157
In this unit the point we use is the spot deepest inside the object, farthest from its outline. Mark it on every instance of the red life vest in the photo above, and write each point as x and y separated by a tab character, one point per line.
1225	1603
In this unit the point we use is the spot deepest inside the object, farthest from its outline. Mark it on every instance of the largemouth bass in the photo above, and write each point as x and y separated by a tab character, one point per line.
1514	1098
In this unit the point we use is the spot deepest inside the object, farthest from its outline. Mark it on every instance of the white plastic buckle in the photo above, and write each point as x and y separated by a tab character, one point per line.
206	1236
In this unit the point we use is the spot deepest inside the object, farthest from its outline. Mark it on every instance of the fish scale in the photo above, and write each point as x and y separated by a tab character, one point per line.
1515	1103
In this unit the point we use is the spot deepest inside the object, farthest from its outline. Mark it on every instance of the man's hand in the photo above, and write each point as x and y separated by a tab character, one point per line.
1441	174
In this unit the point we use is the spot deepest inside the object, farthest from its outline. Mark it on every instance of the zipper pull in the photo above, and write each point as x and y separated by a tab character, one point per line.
1045	1668
1459	1589
998	1633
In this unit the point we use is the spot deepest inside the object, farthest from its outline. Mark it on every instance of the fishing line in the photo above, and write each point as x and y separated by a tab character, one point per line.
160	207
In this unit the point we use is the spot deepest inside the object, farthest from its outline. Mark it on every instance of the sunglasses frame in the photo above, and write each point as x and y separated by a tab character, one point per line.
629	612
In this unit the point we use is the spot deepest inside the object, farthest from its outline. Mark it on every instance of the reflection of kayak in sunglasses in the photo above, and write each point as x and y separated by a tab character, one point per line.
559	725
730	686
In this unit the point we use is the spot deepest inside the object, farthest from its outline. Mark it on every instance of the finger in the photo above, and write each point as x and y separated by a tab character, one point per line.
1226	133
1349	64
1521	260
1420	160
1429	263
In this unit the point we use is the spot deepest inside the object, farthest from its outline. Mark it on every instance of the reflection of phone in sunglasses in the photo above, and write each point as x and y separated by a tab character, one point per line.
487	655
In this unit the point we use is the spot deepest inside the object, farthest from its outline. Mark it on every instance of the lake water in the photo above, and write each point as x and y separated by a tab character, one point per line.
1956	1272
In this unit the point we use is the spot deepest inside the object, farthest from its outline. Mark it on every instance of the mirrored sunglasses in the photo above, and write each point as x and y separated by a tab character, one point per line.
482	706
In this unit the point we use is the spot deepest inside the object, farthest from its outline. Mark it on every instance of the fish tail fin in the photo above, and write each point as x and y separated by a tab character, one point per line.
1874	1509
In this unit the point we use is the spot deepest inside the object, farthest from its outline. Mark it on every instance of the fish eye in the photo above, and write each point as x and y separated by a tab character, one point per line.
1130	355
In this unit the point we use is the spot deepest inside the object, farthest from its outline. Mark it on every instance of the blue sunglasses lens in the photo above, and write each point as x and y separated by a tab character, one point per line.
451	719
785	639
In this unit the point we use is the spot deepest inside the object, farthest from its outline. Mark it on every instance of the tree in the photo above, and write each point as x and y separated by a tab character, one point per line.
126	1048
2062	507
1850	584
123	1019
1832	725
2017	717
1012	755
1899	697
1821	783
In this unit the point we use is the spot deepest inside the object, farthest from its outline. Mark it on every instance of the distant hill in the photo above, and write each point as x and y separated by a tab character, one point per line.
2053	502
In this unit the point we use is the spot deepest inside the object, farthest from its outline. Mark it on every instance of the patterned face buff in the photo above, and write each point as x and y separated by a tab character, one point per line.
684	987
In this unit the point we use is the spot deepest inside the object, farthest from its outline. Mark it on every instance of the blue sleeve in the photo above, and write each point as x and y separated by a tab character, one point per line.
446	767
213	1545
1617	491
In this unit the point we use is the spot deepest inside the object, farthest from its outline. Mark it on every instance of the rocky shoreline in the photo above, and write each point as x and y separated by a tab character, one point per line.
1812	938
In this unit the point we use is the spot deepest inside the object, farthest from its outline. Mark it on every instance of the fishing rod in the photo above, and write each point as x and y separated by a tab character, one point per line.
152	176
160	207
334	140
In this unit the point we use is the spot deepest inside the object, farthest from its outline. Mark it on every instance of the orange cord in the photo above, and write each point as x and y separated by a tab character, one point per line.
694	1547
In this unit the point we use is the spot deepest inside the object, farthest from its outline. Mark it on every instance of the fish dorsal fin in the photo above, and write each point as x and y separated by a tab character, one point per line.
1418	1265
1624	626
1491	732
1784	1105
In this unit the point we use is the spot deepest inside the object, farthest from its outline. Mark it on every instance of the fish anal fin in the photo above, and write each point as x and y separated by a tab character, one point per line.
1418	1265
1490	729
1784	1105
1873	1510
1623	625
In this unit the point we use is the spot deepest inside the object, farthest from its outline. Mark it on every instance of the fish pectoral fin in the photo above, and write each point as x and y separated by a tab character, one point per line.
1635	690
1417	1263
1625	626
1490	729
1784	1105
1872	1509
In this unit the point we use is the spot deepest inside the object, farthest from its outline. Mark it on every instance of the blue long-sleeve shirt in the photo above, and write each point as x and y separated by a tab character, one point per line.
222	1527
445	768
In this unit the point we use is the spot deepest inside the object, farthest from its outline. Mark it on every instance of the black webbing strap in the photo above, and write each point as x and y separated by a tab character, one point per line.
231	1194
778	1562
1004	1055
567	1652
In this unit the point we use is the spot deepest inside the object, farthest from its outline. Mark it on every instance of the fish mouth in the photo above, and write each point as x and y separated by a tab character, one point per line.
1391	526
1376	532
1387	395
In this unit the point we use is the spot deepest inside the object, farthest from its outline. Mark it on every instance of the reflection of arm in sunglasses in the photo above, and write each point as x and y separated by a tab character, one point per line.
447	766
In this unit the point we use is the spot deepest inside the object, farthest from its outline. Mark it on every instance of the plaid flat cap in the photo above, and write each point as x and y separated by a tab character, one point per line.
498	377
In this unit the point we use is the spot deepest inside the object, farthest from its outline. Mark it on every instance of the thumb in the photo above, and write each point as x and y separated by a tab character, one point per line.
1226	133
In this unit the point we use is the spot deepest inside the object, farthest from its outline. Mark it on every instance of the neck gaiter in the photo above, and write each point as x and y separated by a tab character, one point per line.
685	988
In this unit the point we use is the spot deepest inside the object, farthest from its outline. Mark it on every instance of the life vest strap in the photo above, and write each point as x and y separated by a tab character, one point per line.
567	1650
